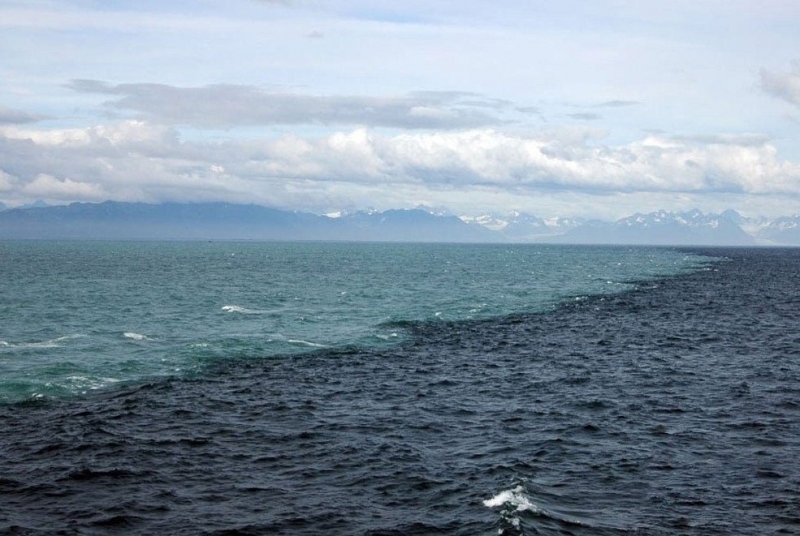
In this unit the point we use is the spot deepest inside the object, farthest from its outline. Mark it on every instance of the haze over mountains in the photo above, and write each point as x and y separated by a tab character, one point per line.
219	221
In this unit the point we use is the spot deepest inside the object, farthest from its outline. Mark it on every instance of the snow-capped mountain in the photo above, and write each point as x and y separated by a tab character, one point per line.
784	230
115	220
492	222
522	227
665	228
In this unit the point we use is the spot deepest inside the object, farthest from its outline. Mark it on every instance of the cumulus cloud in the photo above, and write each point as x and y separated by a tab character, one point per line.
126	132
140	161
783	85
44	185
233	105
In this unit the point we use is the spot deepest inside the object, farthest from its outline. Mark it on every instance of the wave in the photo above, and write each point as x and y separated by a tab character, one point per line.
305	343
514	499
51	343
90	382
135	336
242	310
511	503
385	337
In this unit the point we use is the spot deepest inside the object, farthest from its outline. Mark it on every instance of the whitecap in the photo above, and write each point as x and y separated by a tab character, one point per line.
511	502
305	343
135	336
514	498
68	337
44	344
515	501
242	310
52	343
81	383
385	337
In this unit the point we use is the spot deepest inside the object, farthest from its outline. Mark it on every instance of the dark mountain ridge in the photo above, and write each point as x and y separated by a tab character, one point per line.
209	221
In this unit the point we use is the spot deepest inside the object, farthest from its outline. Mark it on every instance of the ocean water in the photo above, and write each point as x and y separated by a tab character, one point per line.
314	388
80	316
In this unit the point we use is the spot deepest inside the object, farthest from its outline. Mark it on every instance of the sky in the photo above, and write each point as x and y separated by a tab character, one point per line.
591	108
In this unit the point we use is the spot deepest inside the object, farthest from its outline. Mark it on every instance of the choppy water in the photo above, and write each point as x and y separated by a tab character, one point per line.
670	407
79	316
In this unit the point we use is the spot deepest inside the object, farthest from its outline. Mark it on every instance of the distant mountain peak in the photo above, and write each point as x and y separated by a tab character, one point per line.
36	204
517	226
194	221
436	211
223	220
661	227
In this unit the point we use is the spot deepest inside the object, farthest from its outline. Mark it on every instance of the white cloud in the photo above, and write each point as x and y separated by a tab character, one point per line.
341	121
127	132
139	161
45	186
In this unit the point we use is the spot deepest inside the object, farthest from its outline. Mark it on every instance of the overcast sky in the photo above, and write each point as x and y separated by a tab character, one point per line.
594	108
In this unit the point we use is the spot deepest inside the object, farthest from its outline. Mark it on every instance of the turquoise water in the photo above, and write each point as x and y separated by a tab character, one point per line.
80	316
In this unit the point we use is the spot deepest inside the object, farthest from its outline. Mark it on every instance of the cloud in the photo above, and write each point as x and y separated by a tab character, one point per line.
594	116
44	185
744	140
140	161
584	116
7	182
617	104
17	117
220	106
783	85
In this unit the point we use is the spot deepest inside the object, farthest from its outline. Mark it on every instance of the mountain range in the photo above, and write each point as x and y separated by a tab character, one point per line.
221	221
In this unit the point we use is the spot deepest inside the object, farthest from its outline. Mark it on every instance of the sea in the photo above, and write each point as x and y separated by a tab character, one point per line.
398	389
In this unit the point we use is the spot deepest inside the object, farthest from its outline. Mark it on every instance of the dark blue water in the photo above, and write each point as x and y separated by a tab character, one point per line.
670	408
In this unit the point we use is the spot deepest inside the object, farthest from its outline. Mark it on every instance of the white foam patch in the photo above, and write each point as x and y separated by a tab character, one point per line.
305	343
241	310
44	344
77	382
135	336
385	337
69	337
52	343
514	498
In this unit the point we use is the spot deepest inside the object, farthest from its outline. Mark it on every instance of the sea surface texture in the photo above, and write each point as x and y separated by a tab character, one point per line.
268	388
